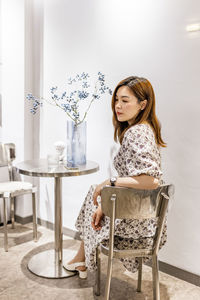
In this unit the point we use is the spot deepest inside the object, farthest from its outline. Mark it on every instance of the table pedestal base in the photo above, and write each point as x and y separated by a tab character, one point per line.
43	264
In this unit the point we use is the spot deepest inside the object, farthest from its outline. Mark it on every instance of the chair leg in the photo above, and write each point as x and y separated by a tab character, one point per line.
139	284
12	211
5	224
109	274
98	272
155	275
34	218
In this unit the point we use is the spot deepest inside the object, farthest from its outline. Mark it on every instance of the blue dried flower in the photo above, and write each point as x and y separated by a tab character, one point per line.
96	96
67	107
30	97
83	94
53	89
85	85
70	102
63	95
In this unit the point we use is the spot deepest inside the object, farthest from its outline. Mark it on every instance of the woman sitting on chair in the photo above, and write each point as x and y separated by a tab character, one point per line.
138	164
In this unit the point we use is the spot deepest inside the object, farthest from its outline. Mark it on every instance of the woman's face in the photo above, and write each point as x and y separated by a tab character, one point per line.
127	105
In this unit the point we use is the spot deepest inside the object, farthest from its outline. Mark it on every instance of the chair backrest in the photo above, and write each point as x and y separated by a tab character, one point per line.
11	151
3	155
133	203
129	203
7	155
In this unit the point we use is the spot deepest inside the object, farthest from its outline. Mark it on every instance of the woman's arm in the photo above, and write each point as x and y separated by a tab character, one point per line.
143	181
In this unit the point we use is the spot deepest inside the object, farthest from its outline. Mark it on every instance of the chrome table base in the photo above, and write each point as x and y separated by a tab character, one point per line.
44	264
49	263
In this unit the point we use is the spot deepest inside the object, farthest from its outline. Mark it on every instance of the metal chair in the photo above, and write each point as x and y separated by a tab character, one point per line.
11	189
128	203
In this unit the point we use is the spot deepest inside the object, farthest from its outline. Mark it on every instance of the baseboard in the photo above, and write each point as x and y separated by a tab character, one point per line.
1	224
179	273
66	231
21	220
163	267
24	220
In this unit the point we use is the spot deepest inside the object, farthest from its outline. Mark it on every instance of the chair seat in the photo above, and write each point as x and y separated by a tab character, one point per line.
126	253
13	186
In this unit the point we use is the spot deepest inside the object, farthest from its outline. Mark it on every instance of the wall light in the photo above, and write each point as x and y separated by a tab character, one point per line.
193	27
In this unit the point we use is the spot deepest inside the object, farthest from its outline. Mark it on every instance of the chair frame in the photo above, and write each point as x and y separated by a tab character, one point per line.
8	156
141	204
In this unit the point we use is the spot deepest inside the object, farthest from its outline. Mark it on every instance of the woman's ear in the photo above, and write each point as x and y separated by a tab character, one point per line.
143	104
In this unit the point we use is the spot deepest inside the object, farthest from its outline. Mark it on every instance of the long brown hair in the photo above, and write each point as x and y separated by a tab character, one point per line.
142	90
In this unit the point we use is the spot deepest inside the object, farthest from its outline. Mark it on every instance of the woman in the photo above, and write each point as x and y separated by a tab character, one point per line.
138	164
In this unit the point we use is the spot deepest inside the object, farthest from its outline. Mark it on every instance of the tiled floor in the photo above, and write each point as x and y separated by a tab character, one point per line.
16	282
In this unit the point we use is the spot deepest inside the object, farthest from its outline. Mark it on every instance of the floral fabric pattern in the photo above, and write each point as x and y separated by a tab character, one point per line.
138	154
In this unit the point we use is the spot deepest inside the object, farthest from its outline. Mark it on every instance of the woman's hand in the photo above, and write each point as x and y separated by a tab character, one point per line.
97	191
96	219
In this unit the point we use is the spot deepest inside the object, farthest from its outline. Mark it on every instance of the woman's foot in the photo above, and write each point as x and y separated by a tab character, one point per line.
76	260
78	263
79	267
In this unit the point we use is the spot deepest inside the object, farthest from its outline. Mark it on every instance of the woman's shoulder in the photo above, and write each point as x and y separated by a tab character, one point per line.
139	130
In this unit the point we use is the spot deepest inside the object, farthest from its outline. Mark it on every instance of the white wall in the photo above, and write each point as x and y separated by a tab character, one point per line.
16	120
65	57
122	38
0	71
179	112
12	72
13	81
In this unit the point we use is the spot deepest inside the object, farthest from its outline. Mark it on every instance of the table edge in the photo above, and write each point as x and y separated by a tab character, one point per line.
67	174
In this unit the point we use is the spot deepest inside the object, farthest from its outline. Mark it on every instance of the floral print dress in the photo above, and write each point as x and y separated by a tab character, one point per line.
138	154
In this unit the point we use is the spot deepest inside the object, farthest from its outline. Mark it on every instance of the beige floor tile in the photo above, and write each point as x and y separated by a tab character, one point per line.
17	282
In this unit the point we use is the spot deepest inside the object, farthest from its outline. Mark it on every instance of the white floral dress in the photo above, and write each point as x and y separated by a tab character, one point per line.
138	154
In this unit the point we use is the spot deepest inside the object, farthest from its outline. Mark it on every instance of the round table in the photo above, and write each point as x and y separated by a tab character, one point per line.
49	263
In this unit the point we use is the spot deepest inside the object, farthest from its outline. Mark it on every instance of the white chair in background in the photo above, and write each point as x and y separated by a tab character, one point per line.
11	189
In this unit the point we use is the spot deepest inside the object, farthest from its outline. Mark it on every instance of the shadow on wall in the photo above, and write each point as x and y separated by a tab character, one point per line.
111	170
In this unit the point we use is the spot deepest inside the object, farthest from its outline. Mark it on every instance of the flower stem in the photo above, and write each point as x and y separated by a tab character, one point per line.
89	105
56	104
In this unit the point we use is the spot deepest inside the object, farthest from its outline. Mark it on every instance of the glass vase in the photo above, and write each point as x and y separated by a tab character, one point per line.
76	144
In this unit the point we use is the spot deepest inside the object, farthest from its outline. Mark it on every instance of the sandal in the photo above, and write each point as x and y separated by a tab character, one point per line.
72	268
